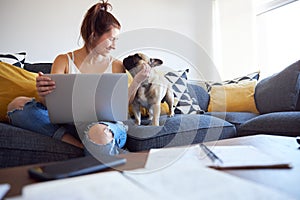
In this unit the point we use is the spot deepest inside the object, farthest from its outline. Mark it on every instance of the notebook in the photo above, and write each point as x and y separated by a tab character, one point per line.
241	157
88	98
232	156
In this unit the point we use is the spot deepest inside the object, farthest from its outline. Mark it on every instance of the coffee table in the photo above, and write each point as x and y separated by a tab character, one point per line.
284	180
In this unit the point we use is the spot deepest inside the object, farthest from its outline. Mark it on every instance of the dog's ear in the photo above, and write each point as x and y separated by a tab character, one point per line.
130	62
155	62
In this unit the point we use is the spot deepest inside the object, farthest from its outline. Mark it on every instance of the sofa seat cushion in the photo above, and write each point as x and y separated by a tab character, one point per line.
277	123
22	147
176	131
236	118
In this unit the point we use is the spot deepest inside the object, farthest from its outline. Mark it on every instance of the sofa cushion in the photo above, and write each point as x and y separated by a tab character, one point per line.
184	103
249	77
200	94
16	59
176	131
14	82
277	123
38	67
298	104
279	92
235	97
22	147
236	118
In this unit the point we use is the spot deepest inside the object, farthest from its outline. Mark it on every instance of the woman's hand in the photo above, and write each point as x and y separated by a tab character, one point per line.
142	75
137	81
44	85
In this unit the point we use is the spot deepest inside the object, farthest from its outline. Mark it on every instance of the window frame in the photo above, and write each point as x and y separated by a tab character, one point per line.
269	5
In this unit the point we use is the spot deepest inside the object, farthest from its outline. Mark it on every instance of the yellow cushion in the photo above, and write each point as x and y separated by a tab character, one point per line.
164	108
233	97
14	82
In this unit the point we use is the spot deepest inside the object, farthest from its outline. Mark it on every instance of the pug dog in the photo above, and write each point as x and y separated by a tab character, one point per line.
153	91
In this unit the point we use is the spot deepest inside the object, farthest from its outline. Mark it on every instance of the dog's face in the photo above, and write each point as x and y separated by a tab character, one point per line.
137	60
152	91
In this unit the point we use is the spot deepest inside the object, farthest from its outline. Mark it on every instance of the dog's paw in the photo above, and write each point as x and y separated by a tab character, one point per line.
138	122
171	113
155	123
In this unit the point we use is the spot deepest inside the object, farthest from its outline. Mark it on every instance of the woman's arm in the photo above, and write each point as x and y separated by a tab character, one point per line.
44	84
118	67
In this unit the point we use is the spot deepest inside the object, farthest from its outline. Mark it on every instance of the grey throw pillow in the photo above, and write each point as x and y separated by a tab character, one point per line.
279	92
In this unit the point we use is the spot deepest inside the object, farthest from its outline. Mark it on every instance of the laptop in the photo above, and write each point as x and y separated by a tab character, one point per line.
88	98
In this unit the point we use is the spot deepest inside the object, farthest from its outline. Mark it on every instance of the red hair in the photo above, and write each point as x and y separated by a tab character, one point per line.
96	22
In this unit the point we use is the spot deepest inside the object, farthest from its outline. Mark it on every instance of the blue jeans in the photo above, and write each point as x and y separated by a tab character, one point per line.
118	130
34	117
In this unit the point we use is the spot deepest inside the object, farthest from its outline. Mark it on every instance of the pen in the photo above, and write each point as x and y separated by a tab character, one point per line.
214	158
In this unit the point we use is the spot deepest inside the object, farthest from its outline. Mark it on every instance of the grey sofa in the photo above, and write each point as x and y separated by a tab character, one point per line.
277	100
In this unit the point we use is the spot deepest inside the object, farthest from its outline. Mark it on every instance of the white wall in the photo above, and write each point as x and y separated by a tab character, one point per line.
46	28
191	18
41	28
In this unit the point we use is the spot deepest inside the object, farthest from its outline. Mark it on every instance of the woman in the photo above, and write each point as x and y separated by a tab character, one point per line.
99	31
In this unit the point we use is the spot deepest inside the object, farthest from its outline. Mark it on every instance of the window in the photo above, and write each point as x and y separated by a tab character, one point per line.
264	6
278	35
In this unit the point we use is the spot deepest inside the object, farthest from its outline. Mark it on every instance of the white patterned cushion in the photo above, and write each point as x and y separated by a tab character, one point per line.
16	59
184	103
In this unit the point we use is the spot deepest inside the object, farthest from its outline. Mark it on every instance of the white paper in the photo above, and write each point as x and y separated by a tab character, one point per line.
4	188
186	177
242	156
105	185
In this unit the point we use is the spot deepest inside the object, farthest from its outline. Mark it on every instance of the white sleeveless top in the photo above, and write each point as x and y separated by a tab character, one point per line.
107	61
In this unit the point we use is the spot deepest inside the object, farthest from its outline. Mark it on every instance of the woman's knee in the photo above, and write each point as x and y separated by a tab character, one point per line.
100	134
18	103
107	132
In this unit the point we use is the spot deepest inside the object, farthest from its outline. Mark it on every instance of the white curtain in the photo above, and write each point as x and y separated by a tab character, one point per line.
234	37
